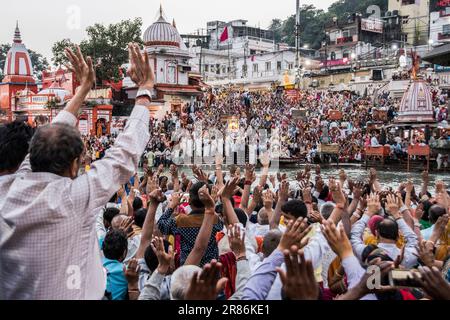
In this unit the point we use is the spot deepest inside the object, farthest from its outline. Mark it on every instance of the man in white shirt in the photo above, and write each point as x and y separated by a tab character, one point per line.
53	252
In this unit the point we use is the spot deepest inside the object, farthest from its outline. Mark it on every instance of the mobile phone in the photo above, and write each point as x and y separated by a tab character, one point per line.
404	279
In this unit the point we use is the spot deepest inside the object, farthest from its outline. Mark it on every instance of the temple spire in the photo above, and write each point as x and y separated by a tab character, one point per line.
174	24
160	10
17	36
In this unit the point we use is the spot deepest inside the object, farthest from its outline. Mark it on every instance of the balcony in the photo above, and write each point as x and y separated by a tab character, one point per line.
444	13
343	40
444	36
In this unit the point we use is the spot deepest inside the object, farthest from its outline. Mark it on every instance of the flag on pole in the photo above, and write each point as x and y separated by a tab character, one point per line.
224	36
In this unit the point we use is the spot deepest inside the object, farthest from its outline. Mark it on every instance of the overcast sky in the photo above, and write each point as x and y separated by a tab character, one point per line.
44	22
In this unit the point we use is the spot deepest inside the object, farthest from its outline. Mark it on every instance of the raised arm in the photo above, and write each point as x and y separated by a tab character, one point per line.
249	179
156	197
283	195
201	243
96	187
226	193
85	74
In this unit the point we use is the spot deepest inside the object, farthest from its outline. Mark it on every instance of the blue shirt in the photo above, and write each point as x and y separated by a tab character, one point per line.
116	283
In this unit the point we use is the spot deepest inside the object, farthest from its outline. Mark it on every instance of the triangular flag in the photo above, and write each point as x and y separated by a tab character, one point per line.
224	36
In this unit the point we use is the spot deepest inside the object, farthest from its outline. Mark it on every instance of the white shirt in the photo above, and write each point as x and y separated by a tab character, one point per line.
53	252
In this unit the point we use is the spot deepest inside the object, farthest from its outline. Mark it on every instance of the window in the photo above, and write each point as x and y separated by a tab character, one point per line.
206	67
268	66
252	52
171	73
255	67
244	69
279	65
218	68
446	29
290	66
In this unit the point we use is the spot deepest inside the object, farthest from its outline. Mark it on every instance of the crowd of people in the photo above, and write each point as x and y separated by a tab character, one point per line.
344	119
111	233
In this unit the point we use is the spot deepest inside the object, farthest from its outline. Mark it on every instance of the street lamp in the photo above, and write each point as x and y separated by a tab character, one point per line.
305	46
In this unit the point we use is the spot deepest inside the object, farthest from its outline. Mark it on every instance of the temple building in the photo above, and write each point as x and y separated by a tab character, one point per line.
18	77
416	105
169	58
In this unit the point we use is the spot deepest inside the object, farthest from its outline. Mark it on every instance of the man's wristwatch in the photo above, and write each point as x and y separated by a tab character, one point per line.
144	93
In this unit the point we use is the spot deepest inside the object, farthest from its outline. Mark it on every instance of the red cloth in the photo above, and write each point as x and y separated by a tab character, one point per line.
229	270
224	36
407	295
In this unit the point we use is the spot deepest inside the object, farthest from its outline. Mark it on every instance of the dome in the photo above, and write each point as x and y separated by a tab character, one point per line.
162	33
416	105
61	93
18	60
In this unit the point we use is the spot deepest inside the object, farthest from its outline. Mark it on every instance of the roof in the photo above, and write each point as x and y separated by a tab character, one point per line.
439	55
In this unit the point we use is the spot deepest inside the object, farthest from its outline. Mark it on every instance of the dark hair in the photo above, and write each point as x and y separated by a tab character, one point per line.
151	260
194	199
367	251
295	208
14	144
137	204
435	212
242	216
388	229
324	194
54	148
139	217
115	245
271	241
110	213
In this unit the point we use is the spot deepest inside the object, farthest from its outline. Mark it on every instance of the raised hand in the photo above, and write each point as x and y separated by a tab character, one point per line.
409	186
299	282
295	235
307	196
336	192
268	199
199	174
425	253
157	196
257	194
393	205
175	200
337	239
140	70
206	198
126	226
283	192
373	204
236	237
132	273
164	258
206	286
433	283
250	173
228	190
83	69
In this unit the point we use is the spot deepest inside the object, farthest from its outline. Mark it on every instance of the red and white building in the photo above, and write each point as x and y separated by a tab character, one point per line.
18	77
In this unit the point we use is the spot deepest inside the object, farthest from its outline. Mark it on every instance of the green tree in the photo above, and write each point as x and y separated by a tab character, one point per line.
277	27
343	8
107	45
59	58
38	61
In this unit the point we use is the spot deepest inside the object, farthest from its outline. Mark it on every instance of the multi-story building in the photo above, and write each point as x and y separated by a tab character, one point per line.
440	25
241	37
349	40
416	18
